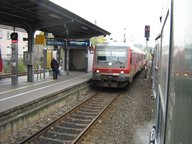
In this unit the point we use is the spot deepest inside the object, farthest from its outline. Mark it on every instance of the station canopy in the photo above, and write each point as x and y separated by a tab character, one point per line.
48	17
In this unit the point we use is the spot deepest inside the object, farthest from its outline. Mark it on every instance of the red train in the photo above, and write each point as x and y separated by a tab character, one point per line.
115	64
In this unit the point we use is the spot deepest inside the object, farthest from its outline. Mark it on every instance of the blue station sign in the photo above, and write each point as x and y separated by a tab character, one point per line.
82	43
62	42
56	42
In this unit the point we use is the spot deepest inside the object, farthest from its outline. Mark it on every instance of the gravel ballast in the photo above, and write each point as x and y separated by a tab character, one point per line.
129	121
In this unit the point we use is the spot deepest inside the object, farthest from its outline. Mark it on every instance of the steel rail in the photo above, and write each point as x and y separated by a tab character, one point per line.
35	135
94	121
80	119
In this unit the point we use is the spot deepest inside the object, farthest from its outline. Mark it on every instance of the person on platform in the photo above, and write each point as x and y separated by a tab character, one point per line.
55	67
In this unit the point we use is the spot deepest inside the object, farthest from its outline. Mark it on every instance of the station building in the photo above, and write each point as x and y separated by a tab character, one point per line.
5	42
80	57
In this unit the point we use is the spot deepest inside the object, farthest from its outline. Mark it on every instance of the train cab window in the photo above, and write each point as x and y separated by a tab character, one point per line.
101	58
103	55
118	56
113	54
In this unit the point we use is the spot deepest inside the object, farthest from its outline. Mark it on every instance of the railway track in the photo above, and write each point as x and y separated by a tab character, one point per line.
70	127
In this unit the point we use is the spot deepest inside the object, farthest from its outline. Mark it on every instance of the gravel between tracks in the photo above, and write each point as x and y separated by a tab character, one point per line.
129	121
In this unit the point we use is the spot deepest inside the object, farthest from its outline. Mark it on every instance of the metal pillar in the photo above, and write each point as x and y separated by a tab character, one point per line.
67	47
67	60
87	63
30	68
63	60
147	46
44	61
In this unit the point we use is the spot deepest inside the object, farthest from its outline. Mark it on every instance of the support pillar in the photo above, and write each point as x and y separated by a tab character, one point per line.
44	61
87	63
30	68
67	61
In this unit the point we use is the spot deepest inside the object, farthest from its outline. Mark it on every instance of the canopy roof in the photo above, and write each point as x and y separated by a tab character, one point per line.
46	16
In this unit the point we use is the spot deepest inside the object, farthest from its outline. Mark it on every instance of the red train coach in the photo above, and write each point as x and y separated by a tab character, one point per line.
115	64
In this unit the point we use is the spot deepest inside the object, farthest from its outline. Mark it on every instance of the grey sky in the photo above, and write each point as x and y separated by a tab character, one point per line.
119	16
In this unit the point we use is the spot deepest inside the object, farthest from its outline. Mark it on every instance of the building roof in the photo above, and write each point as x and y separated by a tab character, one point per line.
46	16
17	29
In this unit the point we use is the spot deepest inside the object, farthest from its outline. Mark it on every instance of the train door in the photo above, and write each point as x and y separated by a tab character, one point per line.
133	67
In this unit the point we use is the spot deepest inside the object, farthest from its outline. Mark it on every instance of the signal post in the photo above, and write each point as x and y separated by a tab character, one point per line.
147	35
14	59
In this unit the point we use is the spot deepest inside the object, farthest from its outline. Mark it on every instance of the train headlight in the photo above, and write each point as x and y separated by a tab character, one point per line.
185	75
122	72
110	63
97	71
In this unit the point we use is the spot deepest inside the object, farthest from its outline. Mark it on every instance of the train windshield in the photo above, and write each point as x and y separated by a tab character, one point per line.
112	54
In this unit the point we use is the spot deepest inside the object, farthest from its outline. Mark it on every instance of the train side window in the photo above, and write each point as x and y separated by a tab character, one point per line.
131	58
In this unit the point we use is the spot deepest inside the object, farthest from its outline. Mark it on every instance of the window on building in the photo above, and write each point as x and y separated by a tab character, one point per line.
8	35
8	50
0	34
24	35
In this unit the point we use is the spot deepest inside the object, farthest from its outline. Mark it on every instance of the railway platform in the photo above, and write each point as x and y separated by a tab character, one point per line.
12	96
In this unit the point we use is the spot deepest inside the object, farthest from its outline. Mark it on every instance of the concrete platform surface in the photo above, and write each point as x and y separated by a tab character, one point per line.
12	96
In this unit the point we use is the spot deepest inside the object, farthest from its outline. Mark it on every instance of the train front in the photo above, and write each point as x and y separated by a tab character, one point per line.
110	67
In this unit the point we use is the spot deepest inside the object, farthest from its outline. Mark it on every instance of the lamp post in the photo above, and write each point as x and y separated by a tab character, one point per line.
124	35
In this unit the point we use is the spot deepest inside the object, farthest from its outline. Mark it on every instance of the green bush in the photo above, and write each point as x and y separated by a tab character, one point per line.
6	67
21	67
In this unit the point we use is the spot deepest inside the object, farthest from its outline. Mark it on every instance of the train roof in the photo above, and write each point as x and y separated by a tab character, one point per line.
137	50
129	45
114	44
